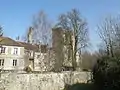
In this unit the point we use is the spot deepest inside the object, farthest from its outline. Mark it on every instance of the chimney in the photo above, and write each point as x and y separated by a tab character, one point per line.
29	36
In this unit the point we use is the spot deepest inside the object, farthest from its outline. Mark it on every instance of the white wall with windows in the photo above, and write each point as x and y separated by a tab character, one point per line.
3	50
14	50
10	64
11	57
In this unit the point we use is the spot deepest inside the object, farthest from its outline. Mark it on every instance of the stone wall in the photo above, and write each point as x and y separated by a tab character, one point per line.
46	81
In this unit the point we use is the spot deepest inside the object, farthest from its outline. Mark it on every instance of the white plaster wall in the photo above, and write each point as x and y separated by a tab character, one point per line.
8	64
8	57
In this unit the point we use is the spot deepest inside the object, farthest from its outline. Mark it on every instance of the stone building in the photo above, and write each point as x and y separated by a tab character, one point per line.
19	55
57	44
63	42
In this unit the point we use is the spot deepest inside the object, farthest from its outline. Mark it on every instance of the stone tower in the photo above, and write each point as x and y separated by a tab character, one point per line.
57	44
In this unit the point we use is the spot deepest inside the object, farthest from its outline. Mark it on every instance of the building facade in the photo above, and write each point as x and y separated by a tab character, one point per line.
15	55
11	54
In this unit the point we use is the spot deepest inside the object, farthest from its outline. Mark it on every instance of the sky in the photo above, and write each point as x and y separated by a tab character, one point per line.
16	15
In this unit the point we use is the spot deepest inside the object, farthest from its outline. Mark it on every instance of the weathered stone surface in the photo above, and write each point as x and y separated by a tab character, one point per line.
46	81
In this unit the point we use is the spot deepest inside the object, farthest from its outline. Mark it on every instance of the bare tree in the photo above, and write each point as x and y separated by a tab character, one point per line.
41	28
88	60
109	31
116	34
47	61
42	34
101	50
73	22
1	31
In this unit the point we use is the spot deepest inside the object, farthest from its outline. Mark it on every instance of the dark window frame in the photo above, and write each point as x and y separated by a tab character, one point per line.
14	62
2	49
1	62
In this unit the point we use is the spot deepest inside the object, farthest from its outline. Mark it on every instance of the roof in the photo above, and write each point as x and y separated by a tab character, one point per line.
29	46
8	42
34	47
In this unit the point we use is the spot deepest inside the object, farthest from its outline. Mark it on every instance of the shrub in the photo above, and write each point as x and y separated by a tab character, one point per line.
28	69
106	73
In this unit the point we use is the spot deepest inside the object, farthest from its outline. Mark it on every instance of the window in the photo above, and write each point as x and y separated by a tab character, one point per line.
2	49
15	51
14	62
1	62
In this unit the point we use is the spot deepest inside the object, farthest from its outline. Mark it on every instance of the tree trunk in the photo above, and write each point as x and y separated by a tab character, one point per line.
74	54
111	49
108	51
